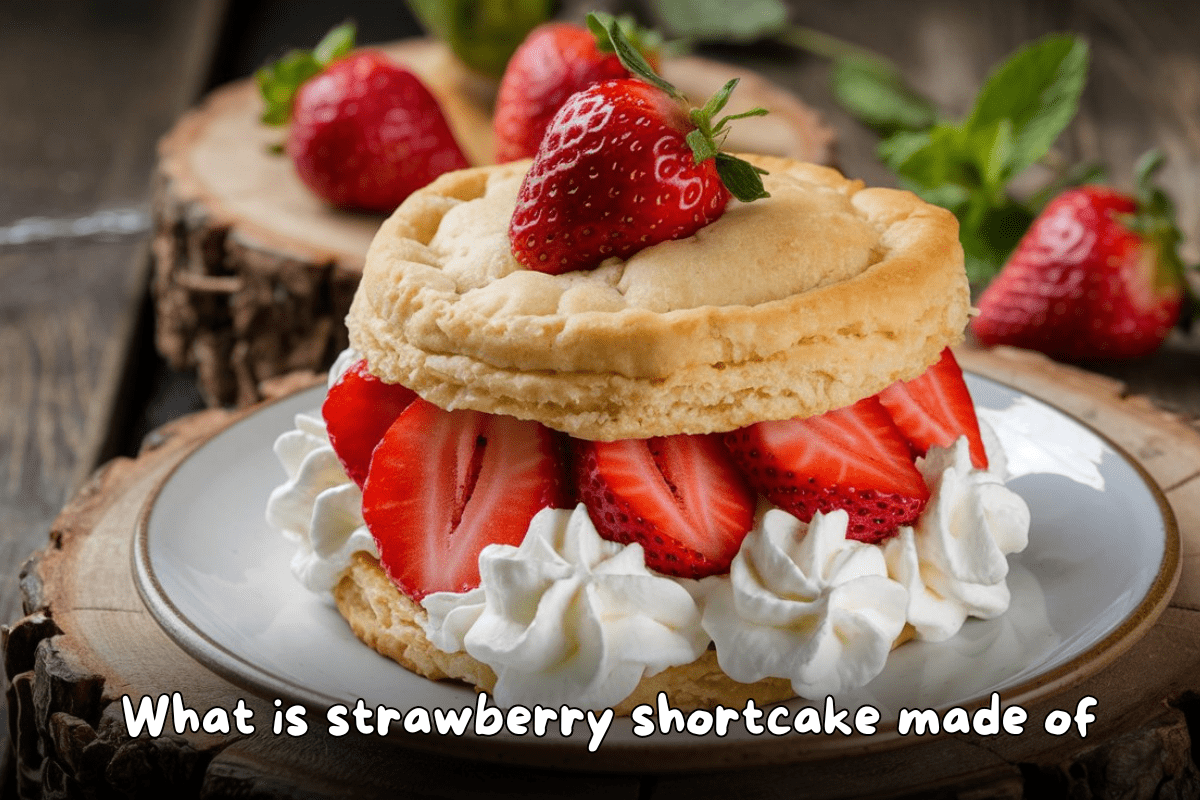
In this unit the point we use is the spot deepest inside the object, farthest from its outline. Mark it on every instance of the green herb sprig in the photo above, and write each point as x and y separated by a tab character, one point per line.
964	165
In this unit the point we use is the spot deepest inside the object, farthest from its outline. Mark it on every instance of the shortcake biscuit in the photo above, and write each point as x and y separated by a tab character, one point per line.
822	294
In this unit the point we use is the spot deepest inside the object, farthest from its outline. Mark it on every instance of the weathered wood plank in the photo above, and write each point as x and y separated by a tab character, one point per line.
86	89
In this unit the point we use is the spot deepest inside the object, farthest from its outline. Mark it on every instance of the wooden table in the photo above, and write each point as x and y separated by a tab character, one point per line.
88	88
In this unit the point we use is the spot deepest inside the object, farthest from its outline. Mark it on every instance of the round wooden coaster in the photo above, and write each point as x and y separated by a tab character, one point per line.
254	274
88	640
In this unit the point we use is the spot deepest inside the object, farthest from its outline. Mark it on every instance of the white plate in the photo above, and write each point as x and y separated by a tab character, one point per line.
1101	564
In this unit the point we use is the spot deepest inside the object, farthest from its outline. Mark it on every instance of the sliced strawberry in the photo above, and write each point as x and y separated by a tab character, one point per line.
853	458
358	410
680	497
445	484
935	409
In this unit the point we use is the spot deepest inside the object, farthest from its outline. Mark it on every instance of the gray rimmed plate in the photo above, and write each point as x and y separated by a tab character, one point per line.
1101	565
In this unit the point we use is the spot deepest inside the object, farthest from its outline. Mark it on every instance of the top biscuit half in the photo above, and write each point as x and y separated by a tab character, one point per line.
820	295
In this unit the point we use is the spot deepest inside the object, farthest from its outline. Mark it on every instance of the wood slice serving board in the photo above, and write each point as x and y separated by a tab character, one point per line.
88	639
254	274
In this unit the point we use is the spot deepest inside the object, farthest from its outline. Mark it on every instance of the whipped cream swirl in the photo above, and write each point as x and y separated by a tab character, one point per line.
568	617
803	602
953	561
318	507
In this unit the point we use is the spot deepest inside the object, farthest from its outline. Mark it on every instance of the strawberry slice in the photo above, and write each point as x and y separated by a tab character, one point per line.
680	497
935	409
853	458
445	484
358	410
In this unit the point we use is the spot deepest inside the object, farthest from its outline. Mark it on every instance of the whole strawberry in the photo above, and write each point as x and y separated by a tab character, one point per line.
626	164
364	133
556	60
1097	276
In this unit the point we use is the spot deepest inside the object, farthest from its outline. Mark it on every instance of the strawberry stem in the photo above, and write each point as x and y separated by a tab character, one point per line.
741	178
1155	220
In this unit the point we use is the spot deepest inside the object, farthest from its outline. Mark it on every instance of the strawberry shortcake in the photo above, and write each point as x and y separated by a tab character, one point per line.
614	423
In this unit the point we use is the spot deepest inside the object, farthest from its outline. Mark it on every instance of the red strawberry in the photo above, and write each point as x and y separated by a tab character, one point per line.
364	132
680	497
625	165
445	484
1096	276
935	408
358	410
853	458
555	61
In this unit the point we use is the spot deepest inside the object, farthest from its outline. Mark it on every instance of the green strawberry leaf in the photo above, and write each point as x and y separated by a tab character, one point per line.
644	40
703	146
738	21
874	91
1155	220
716	104
278	82
335	44
608	29
1037	89
741	178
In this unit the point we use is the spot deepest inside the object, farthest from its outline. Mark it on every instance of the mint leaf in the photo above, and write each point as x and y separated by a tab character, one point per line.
991	150
897	148
1038	90
722	20
1021	109
988	235
949	196
935	158
875	92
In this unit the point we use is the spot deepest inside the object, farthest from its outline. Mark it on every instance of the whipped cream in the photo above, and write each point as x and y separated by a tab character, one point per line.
318	507
568	617
804	602
953	561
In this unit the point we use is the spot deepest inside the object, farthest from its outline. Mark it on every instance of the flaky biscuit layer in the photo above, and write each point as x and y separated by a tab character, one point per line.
809	300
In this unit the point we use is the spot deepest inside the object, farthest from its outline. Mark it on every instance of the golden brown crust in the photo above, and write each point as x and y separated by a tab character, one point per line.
388	621
809	300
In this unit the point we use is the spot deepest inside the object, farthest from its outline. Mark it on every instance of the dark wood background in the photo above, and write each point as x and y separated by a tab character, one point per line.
87	87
